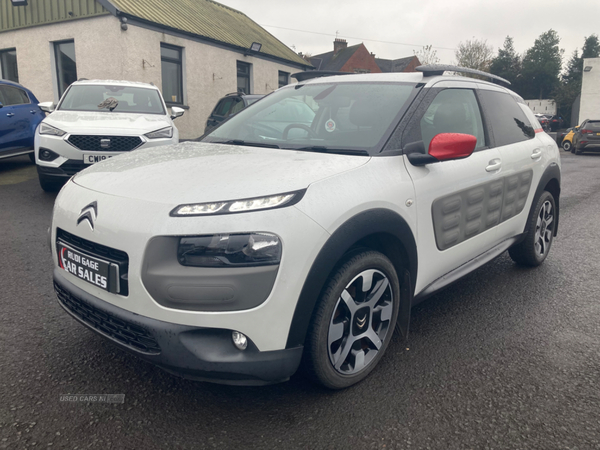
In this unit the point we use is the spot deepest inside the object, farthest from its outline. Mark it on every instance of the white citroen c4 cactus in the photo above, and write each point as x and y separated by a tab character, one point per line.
282	237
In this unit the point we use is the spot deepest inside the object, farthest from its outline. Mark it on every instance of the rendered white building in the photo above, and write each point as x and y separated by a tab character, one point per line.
590	90
195	51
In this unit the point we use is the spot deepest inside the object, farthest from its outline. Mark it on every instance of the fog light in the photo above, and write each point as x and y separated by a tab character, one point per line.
239	340
47	155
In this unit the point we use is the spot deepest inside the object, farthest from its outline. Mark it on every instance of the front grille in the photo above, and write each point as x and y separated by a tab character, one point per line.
126	333
111	143
112	255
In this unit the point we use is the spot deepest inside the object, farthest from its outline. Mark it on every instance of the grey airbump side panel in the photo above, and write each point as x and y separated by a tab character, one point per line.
463	215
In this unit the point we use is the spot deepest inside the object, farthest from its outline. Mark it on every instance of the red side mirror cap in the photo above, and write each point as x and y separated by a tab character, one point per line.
446	146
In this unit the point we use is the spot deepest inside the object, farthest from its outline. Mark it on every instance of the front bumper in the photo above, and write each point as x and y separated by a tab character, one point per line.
204	354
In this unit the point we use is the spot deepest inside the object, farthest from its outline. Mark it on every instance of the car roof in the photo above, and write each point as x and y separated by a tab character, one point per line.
12	83
114	83
407	77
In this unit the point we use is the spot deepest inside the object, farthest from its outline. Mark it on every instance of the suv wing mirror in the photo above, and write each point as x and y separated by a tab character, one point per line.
176	112
445	147
47	106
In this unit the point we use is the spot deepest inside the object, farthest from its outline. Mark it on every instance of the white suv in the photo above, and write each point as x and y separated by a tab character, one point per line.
98	119
234	258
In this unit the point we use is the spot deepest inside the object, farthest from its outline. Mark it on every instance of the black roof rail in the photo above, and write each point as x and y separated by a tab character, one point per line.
83	79
439	69
303	76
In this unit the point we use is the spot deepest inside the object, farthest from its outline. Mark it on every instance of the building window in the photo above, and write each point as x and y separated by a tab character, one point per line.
284	79
66	67
8	65
243	77
171	60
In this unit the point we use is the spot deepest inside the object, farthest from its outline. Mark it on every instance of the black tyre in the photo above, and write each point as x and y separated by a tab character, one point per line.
32	157
534	249
49	184
578	151
353	321
566	145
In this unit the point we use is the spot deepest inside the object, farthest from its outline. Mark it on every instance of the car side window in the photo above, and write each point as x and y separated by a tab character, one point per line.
14	96
237	107
453	111
223	107
508	121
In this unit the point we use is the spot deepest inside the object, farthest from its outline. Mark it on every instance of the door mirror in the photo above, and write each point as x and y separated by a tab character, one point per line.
1	105
447	146
176	112
443	147
47	106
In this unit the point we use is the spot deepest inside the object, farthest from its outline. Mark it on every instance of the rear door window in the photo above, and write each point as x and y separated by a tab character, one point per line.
507	120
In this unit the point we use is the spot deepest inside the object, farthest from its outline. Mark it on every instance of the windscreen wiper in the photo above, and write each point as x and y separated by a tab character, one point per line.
244	143
341	151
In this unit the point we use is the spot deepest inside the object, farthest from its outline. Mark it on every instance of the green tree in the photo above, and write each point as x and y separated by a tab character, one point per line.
542	66
507	64
474	54
591	47
571	79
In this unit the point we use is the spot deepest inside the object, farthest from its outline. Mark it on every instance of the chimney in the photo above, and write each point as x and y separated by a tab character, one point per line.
339	44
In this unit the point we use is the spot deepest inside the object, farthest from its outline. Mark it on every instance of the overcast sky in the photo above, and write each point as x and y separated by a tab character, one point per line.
394	28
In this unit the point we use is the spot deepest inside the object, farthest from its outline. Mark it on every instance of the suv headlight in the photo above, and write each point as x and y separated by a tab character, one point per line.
162	133
238	206
229	250
50	130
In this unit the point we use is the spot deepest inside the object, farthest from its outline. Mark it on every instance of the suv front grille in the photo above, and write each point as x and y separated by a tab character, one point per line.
118	257
111	143
126	333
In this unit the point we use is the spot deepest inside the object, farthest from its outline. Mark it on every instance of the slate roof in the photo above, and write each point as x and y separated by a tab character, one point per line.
393	65
327	61
206	19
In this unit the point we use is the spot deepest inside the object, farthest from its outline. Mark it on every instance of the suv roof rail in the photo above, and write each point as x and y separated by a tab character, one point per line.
439	69
302	76
83	79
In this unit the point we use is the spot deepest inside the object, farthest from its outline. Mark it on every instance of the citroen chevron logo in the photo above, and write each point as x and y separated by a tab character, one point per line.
361	322
89	213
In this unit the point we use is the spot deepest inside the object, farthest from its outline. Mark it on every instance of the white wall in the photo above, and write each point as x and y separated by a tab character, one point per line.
590	91
104	51
542	106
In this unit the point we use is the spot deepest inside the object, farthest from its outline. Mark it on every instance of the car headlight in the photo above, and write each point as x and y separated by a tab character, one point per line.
162	133
238	206
50	130
229	250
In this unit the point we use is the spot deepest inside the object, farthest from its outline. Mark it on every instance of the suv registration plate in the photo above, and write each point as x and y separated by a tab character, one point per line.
91	158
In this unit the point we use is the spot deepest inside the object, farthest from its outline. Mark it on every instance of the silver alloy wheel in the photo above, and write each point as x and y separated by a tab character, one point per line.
360	322
544	230
566	146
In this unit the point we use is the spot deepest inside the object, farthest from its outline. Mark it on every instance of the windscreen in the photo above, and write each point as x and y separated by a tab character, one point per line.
109	98
343	115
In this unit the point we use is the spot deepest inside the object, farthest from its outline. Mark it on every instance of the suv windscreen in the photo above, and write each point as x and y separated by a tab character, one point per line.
98	98
324	116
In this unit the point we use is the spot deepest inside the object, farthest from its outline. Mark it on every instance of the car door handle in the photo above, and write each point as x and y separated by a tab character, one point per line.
10	114
537	153
33	111
494	165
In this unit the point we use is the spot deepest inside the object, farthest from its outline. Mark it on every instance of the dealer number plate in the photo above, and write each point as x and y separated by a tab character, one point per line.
98	272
